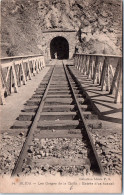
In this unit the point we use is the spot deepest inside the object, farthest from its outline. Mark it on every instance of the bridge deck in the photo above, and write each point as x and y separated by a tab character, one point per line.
111	112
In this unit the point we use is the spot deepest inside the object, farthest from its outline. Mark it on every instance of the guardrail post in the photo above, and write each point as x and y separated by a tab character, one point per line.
26	70
118	94
115	77
20	72
29	70
84	65
76	57
108	77
23	72
2	99
6	85
117	82
36	63
95	70
74	60
89	69
43	61
103	75
92	66
79	63
10	86
15	79
34	71
87	64
39	64
100	70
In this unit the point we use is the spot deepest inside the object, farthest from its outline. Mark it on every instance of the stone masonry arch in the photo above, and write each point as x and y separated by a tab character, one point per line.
49	35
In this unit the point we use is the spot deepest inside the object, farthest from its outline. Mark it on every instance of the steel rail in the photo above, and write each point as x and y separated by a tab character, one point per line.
19	163
97	164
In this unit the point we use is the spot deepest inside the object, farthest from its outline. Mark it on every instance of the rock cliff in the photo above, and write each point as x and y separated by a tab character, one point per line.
98	24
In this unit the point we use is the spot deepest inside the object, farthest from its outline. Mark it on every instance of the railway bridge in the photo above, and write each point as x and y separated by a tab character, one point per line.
63	108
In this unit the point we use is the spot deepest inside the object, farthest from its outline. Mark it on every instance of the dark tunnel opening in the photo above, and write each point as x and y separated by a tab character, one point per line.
59	48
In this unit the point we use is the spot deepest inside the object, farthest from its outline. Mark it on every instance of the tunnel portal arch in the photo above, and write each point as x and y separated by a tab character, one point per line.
50	34
59	48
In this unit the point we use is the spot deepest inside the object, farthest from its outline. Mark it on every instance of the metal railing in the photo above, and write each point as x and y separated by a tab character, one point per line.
16	71
105	70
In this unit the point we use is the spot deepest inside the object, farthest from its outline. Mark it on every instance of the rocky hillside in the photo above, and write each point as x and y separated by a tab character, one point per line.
98	24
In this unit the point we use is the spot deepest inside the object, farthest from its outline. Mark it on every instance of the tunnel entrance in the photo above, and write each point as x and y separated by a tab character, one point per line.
59	48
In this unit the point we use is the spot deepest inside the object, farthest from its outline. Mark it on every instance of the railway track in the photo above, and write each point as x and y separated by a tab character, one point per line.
57	119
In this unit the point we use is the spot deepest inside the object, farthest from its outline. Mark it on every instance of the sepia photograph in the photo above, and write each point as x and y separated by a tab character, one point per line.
61	73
